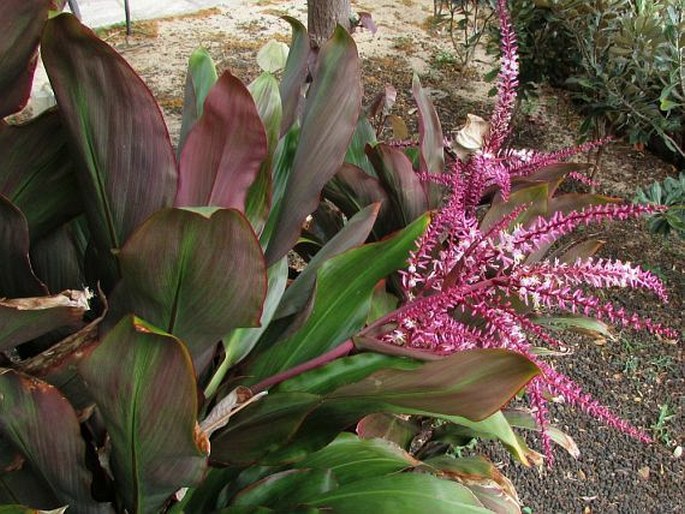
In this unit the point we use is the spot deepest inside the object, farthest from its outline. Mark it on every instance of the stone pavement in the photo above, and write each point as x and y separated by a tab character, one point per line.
99	13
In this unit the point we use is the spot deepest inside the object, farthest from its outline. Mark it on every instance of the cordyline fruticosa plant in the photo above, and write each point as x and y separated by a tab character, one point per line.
121	403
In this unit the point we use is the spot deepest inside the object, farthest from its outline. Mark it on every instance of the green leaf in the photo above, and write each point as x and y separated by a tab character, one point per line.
471	384
27	318
524	419
351	459
305	413
224	150
36	173
294	74
287	489
21	22
354	233
483	479
200	78
240	342
126	164
341	300
144	386
196	276
408	493
40	424
272	56
537	196
328	122
264	90
364	135
581	324
17	278
20	509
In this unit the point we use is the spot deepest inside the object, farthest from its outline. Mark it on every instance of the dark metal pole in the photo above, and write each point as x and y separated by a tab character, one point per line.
127	11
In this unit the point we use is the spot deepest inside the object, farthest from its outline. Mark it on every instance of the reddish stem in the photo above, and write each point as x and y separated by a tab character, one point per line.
339	351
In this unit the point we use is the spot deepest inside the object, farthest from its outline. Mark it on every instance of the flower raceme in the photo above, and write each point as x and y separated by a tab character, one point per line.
471	287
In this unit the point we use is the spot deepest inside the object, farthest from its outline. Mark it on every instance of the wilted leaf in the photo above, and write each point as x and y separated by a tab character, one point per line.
470	138
524	419
483	479
37	420
23	319
224	149
328	122
126	165
17	278
144	385
196	275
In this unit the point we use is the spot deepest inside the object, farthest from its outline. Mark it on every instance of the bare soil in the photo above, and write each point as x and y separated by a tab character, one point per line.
635	374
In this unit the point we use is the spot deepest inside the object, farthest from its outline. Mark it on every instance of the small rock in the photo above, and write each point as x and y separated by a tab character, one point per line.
643	472
678	452
581	475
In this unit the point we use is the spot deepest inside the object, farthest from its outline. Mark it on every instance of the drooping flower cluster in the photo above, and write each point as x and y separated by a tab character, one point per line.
475	285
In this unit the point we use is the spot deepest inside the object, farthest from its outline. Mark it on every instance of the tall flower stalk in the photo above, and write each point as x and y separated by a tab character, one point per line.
468	287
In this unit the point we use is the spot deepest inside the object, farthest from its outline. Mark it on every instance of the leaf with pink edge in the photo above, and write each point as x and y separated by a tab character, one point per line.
224	150
143	383
126	164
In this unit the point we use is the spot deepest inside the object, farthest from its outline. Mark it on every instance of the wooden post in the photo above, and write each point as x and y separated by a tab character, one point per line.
323	16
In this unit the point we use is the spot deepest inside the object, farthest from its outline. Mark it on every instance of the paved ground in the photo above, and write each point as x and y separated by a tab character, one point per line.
98	13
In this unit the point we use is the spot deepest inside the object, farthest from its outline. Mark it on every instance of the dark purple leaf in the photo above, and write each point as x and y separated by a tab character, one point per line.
294	74
37	175
21	22
41	425
328	122
17	279
126	164
224	150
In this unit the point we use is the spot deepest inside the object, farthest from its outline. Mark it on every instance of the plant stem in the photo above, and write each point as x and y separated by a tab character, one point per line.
339	351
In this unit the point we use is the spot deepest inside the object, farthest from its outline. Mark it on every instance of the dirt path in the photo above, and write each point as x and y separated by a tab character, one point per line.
638	376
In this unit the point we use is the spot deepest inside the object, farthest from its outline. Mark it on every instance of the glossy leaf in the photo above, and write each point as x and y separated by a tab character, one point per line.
40	424
354	233
200	78
351	458
264	90
294	74
305	413
341	300
37	173
431	139
17	279
126	165
471	384
578	201
364	135
536	197
196	275
27	318
483	479
144	386
407	196
239	342
409	493
224	150
580	324
287	489
328	121
581	250
21	22
351	189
